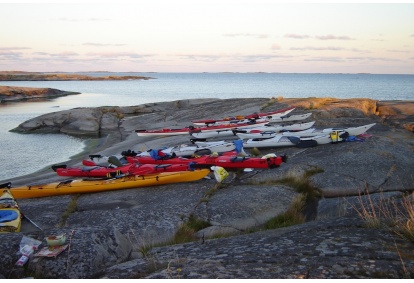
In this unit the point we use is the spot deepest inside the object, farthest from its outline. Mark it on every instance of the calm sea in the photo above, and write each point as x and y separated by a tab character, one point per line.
25	154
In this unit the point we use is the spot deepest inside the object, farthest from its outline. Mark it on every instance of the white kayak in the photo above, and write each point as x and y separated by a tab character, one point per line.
271	134
199	149
329	135
267	127
284	141
288	118
352	131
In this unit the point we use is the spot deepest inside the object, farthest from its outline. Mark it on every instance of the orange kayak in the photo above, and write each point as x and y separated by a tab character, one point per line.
81	186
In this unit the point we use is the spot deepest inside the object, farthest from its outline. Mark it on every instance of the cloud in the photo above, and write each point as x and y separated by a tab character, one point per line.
13	48
320	37
398	51
118	55
260	57
332	37
64	19
255	35
275	47
371	59
102	44
312	48
297	36
360	59
231	57
41	53
60	54
65	54
10	54
202	58
325	59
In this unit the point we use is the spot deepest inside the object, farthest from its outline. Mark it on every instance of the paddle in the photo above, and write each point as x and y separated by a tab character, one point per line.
31	221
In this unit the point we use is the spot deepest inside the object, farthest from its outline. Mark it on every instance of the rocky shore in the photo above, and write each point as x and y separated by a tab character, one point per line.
341	189
9	94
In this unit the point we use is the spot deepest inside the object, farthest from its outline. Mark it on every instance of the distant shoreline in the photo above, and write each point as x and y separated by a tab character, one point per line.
40	76
200	72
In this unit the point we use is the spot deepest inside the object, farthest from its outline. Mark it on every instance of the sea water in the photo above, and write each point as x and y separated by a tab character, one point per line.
26	153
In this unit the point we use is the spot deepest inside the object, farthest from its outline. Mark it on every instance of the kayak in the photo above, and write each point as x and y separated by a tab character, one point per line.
277	128
281	112
282	141
226	161
266	127
10	216
270	134
189	150
82	186
94	171
311	132
192	129
276	118
289	118
107	162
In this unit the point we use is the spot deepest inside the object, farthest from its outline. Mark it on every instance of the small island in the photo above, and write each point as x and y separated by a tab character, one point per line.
14	93
39	76
18	94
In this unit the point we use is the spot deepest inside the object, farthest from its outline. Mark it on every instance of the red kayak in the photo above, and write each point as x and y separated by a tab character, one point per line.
280	112
225	161
110	172
191	129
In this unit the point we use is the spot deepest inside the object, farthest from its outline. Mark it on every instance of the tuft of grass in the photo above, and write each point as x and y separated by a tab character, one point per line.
255	151
397	214
301	183
72	207
186	231
308	193
405	222
292	216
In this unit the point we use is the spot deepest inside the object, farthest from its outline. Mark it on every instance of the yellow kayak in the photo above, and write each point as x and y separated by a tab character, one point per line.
79	186
10	216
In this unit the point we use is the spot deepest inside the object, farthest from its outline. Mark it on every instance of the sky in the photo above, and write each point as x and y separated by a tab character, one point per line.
207	36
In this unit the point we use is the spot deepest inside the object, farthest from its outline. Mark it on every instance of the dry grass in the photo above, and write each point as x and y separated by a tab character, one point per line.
405	220
300	181
292	216
186	231
72	207
255	152
394	213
